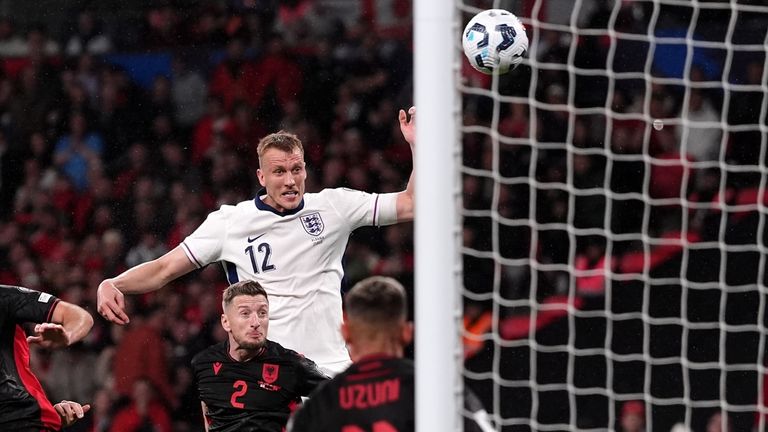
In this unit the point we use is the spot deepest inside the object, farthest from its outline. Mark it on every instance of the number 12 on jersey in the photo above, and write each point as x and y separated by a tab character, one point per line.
265	253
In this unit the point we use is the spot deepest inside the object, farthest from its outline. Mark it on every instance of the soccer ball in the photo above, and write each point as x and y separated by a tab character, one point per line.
494	40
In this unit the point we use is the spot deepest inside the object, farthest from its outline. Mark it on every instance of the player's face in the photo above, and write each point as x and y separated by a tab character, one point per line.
246	320
283	175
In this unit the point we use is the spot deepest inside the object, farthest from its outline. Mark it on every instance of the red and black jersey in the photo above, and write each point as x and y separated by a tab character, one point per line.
255	395
374	394
23	404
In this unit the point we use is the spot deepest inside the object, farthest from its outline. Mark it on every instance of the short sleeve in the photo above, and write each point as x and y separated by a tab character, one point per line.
363	208
26	305
204	245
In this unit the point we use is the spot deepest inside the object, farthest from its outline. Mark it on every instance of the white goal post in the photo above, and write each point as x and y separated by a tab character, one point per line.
437	282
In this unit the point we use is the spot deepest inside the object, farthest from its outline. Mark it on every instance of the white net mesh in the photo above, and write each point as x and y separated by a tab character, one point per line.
614	206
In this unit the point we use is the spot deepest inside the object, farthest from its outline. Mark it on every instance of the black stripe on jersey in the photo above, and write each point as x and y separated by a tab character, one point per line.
194	258
375	209
231	272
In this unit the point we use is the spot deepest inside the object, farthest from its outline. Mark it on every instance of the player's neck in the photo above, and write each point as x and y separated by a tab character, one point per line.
244	354
380	348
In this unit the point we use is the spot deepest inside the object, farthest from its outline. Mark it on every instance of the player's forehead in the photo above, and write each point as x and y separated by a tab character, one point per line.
246	301
276	157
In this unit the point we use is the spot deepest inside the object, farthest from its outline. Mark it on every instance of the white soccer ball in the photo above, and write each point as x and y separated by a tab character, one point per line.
494	40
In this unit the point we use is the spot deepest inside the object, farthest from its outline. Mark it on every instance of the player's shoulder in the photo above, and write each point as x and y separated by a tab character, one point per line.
380	366
340	191
11	292
213	353
248	205
279	351
336	196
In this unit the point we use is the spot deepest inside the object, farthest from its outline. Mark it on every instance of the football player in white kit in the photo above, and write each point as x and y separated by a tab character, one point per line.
289	241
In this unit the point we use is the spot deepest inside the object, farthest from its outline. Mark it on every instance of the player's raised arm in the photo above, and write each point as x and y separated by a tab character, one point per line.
70	323
405	198
145	277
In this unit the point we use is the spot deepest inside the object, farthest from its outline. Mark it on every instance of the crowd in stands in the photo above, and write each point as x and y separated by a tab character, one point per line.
101	172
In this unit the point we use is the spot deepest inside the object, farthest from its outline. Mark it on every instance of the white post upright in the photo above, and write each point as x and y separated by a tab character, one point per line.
437	288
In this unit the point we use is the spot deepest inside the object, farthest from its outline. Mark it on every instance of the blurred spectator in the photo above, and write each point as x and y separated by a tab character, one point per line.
39	44
78	153
704	134
278	82
87	37
147	249
235	78
144	412
11	44
161	27
160	101
210	133
719	423
188	93
632	417
207	28
140	364
71	374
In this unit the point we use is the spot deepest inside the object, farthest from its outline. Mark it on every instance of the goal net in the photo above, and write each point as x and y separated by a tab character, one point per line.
614	217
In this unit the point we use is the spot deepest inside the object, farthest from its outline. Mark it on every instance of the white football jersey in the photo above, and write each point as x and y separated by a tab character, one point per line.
297	257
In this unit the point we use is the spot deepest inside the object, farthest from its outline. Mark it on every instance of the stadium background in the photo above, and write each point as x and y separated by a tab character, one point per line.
168	134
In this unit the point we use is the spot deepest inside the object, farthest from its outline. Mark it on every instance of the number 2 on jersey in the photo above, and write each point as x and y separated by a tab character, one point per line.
264	249
243	388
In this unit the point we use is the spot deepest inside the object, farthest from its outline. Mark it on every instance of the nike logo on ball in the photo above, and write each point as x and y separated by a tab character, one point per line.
253	239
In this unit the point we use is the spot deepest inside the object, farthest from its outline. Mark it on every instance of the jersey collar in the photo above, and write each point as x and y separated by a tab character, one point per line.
261	352
261	205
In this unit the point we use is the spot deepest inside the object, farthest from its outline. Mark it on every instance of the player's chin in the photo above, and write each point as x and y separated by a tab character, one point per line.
253	343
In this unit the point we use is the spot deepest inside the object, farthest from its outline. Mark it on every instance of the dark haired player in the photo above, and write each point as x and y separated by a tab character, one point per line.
376	393
249	383
23	404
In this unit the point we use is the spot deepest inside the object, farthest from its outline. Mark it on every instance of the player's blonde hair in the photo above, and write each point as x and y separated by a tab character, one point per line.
281	140
246	287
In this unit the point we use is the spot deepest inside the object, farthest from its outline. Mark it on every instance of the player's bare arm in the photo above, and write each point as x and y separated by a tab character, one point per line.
70	412
404	203
70	324
146	277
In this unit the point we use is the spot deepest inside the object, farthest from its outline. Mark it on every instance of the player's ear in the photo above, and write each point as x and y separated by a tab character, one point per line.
406	333
225	322
345	331
260	175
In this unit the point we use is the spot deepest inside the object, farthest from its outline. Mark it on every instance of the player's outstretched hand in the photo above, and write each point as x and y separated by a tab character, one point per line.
70	412
49	335
408	124
110	303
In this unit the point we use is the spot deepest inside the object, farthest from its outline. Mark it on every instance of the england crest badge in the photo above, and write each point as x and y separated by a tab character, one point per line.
313	224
